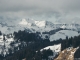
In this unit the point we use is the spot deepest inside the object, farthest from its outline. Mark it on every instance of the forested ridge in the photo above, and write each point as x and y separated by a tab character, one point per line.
35	43
32	49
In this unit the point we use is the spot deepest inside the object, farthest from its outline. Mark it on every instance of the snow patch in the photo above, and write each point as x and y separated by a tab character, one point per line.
54	48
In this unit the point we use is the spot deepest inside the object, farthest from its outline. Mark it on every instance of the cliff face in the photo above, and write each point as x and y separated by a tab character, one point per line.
67	54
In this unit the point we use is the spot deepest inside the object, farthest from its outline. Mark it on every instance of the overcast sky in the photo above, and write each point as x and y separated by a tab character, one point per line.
53	10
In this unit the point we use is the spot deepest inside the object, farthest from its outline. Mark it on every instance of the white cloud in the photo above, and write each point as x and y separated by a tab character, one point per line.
42	9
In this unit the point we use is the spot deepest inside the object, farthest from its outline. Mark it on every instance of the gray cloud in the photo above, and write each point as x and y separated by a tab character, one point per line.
41	9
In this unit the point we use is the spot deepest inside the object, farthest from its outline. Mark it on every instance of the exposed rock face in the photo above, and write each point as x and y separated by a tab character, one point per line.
67	54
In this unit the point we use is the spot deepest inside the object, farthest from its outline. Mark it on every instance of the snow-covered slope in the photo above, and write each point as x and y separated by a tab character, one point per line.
69	26
24	22
54	48
8	45
62	34
40	23
5	45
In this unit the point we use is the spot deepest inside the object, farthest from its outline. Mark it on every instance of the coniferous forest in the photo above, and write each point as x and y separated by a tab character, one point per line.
31	51
34	43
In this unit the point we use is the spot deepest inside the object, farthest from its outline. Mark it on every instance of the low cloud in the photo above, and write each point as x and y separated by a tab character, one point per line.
41	9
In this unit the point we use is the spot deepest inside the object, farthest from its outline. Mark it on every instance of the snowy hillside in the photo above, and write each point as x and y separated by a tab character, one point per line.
5	44
63	34
8	45
69	26
54	48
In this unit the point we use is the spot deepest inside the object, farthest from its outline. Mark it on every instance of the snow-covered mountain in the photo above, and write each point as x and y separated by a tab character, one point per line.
44	27
11	26
41	26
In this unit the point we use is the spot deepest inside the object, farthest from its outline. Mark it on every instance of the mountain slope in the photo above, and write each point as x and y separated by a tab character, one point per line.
9	26
63	34
55	48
